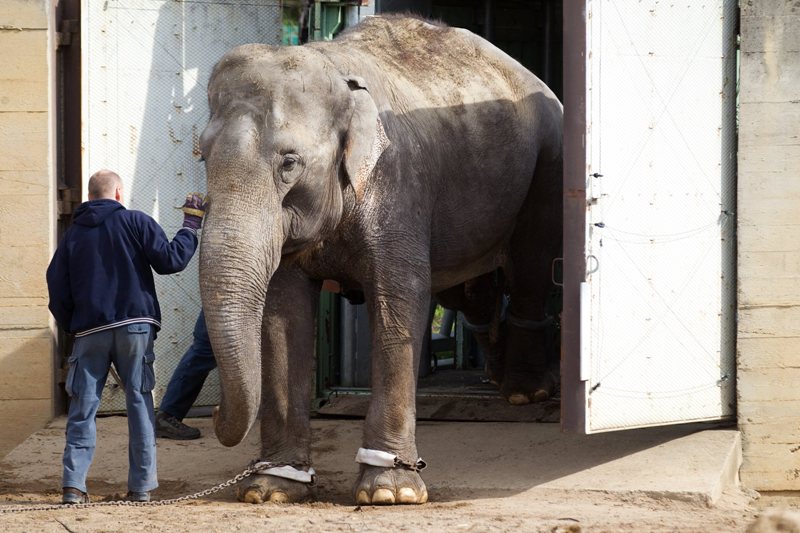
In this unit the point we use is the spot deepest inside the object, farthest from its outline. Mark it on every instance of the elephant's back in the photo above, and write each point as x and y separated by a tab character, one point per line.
467	125
422	63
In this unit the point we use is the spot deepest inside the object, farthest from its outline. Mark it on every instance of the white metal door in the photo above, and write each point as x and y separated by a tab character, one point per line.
145	67
657	304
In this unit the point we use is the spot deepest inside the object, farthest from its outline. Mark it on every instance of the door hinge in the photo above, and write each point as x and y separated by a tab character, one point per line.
65	31
68	199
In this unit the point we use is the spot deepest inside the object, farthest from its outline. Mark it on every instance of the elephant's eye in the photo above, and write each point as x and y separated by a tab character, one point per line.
289	162
291	166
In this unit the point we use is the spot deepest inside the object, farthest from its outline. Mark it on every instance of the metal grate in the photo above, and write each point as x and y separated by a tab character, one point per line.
146	65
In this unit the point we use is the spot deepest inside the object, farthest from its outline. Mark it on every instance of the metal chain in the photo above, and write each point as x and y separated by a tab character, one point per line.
414	467
249	471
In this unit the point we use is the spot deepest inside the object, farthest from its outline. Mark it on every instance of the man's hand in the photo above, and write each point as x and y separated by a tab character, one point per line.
194	209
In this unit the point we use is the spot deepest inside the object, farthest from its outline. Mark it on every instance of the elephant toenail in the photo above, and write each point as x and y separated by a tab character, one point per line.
279	497
383	497
363	498
540	395
406	495
519	399
252	495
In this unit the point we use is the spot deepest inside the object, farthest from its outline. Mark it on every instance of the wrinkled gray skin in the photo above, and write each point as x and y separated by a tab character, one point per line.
402	159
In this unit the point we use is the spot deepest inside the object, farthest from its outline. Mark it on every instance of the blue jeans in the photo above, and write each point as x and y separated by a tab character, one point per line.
130	348
190	374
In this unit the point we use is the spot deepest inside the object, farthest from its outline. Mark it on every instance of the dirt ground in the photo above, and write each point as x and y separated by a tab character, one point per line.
491	489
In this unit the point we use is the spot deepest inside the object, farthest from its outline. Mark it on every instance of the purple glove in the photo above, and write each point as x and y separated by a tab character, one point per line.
193	210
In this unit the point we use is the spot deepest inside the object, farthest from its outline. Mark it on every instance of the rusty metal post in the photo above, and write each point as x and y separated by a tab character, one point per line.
573	393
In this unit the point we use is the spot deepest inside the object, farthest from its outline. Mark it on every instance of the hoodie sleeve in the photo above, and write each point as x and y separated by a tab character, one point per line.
165	256
58	287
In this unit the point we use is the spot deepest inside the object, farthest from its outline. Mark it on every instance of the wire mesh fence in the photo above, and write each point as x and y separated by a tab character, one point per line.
146	65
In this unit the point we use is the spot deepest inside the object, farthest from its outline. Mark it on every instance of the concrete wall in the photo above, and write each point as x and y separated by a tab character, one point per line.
26	218
769	244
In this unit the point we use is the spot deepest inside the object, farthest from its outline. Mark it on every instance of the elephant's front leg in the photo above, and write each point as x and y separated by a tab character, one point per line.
287	347
389	463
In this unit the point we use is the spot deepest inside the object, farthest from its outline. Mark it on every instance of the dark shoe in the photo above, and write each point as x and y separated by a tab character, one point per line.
71	496
137	496
169	427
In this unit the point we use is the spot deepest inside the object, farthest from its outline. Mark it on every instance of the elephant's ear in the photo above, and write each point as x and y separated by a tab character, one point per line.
366	139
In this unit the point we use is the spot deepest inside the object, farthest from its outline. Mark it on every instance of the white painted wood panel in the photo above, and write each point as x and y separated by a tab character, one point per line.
660	241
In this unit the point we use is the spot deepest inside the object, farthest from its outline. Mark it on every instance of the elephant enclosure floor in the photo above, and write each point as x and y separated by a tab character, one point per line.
482	476
454	395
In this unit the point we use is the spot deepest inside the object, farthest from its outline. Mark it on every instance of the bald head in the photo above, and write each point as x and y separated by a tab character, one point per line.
105	184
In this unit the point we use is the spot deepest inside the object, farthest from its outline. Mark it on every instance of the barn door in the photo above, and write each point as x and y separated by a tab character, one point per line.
650	171
146	64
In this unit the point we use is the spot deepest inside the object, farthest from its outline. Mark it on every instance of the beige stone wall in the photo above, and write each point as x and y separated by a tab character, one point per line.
769	245
26	219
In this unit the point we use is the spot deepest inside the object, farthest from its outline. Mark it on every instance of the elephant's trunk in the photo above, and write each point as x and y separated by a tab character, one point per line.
235	267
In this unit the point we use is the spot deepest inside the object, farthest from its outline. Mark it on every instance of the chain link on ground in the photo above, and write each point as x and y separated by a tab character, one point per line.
249	471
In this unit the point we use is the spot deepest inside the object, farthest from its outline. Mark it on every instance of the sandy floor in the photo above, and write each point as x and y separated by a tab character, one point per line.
467	497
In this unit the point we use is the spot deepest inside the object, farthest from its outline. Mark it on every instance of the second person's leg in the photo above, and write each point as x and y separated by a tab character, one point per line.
189	376
185	385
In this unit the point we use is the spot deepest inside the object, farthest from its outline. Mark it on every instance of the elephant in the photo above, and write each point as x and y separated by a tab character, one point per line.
404	159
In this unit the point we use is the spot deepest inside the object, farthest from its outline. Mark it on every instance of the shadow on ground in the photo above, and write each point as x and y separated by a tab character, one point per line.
467	461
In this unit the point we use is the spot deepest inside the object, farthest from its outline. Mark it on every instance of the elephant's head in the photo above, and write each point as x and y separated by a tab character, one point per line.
288	133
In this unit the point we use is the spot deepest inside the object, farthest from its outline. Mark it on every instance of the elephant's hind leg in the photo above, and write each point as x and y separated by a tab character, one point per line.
531	371
480	300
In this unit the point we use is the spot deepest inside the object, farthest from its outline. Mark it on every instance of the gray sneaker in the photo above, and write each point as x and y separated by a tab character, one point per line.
137	496
71	496
169	427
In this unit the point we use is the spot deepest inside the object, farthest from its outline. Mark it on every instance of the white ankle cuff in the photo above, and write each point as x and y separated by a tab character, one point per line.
375	458
289	472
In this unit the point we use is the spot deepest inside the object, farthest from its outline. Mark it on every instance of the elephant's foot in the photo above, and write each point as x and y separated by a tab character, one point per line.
529	377
263	489
522	389
377	485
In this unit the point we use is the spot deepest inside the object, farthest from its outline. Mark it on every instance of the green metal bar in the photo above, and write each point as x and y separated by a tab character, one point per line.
328	334
317	22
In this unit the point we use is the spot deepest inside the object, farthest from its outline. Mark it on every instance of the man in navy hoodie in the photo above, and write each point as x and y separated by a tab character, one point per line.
102	291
